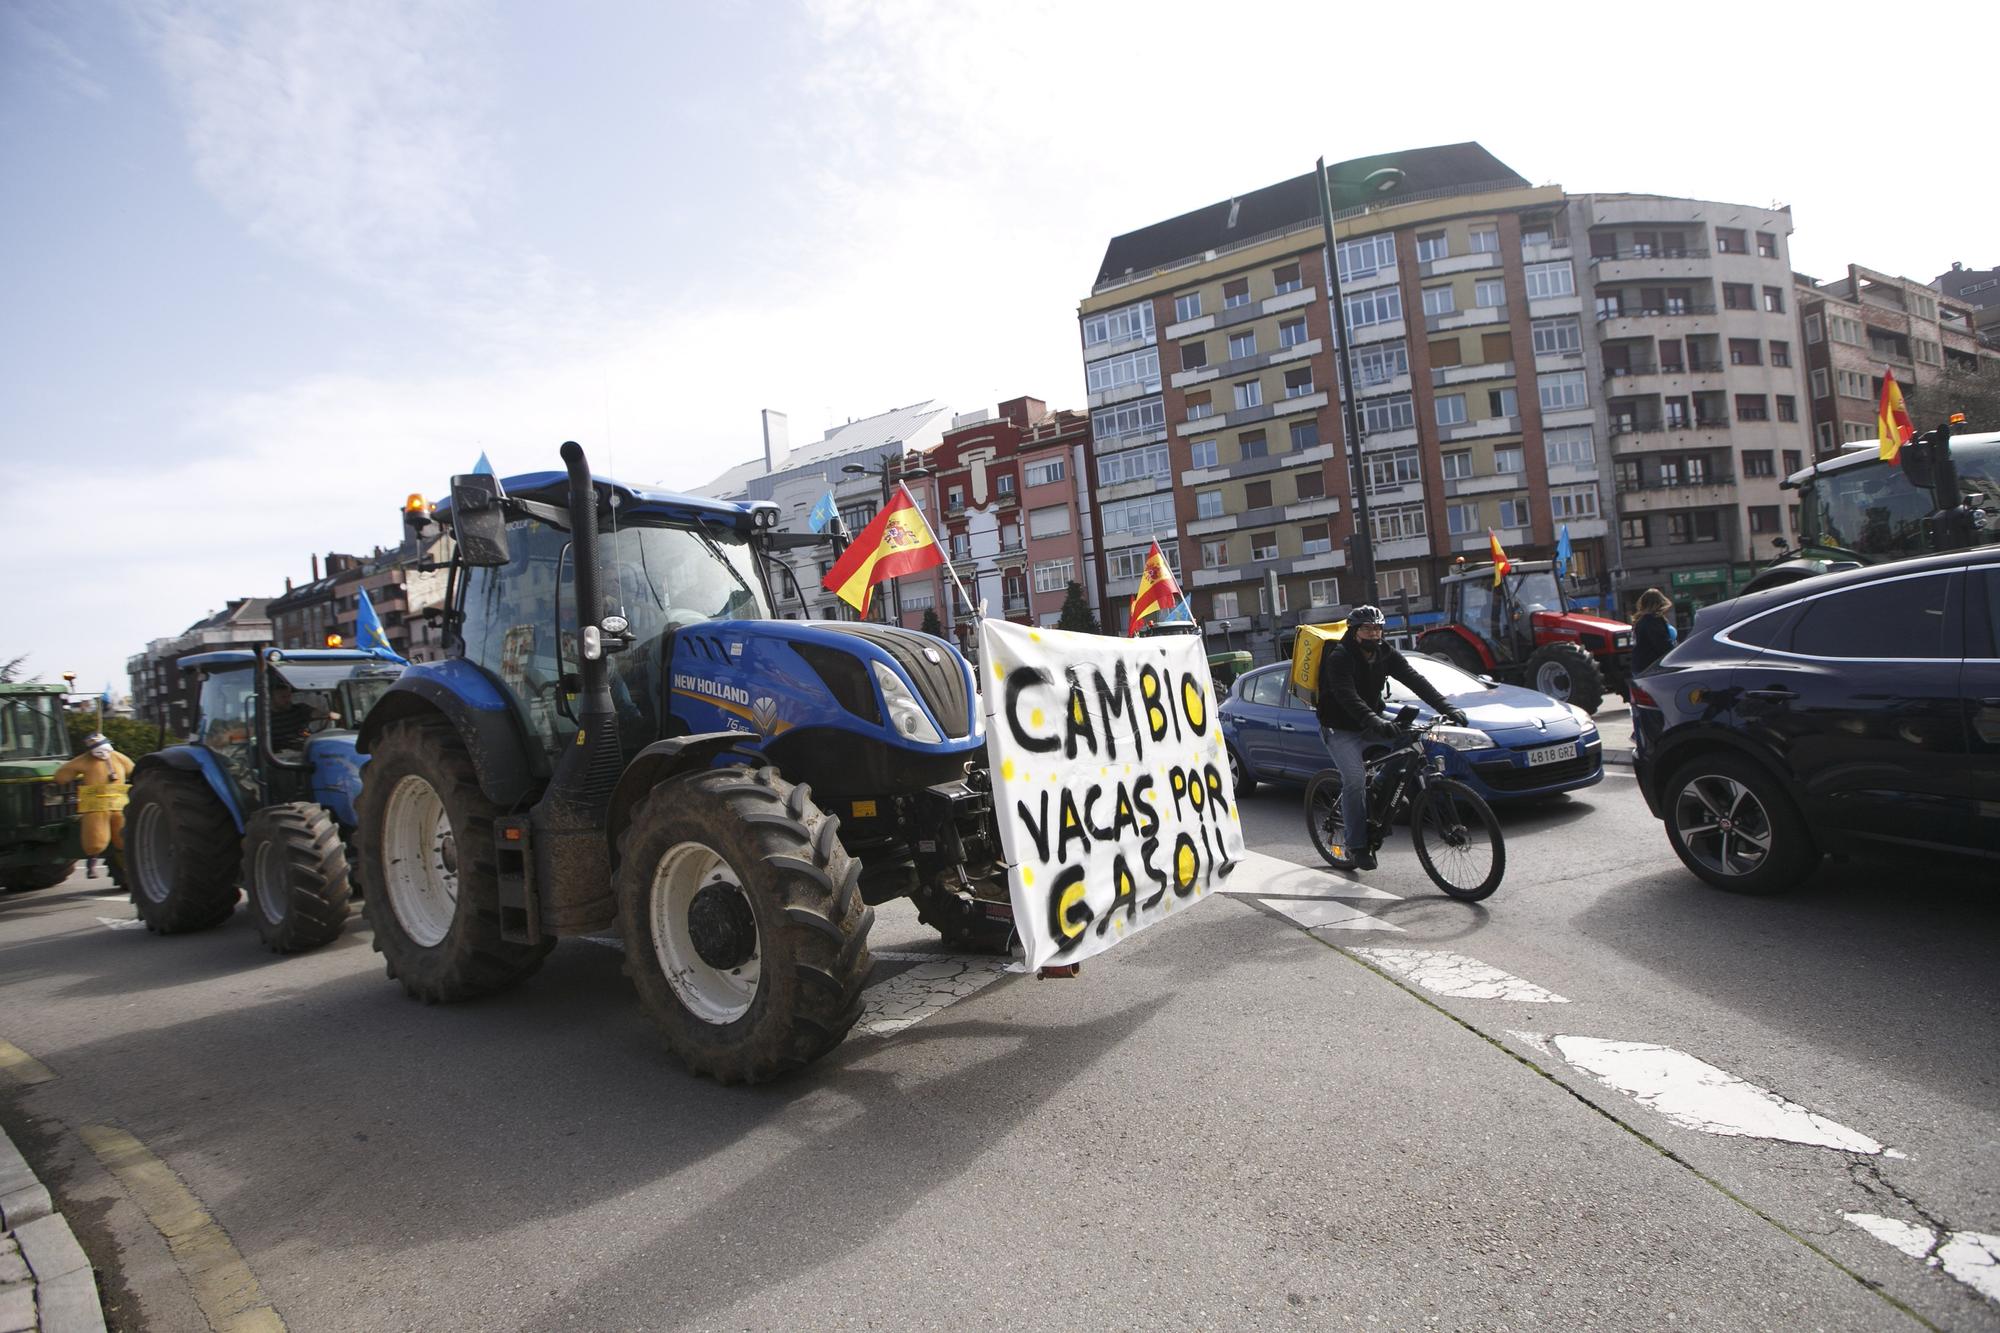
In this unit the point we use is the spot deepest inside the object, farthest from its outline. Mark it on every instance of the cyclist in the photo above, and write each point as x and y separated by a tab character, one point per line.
1353	676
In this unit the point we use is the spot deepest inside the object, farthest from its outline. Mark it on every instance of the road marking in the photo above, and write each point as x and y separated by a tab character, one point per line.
1268	877
936	982
21	1066
1321	914
222	1283
1972	1257
1697	1095
120	923
1453	974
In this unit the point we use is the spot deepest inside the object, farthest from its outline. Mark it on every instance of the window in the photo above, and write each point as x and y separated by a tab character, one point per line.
1758	463
1323	592
1450	409
1050	521
1222	606
1041	474
1824	432
1569	446
913	600
1215	554
1130	562
1546	280
1199	405
1392	468
1736	296
1242	344
1432	246
1111	326
1507	461
1767	245
1927	351
1142	416
1752	407
1461	520
1446	352
1251	444
1632	531
1573	502
1562	390
961	546
1813	333
1376	307
1819	384
955	498
1845	330
1133	465
1794	460
1201	454
1257	495
1367	256
1744	352
1386	414
1489	293
1792	516
1889	618
1311	485
1381	363
1625	474
1285	278
1398	522
1133	369
1457	466
1305	435
1050	575
1774	300
1439	301
1249	393
1554	337
857	517
1298	383
1729	241
1143	516
1788	407
1003	484
1291	333
1235	292
1697	466
1853	383
1670	472
1763	518
1781	353
1502	403
1264	546
1397	584
1854	432
1486	240
1187	307
1194	355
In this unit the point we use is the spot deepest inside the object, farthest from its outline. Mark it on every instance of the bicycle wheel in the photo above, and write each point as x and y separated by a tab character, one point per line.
1323	821
1458	840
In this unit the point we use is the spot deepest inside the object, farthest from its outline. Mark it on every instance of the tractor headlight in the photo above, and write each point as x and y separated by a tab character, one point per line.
906	715
1623	639
1462	738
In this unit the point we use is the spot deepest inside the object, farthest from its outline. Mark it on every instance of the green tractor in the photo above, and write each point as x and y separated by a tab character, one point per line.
39	836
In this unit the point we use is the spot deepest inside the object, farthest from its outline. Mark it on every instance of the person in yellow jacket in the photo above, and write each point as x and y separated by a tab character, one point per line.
100	801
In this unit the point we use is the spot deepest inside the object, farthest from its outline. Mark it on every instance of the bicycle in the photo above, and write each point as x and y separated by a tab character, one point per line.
1453	829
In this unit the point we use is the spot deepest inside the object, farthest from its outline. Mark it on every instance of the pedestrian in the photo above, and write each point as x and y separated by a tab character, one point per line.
1653	631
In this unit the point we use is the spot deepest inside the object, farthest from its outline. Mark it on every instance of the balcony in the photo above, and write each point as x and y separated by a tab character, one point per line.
1488	370
1650	266
1015	606
1489	483
1556	248
1665	322
1631	437
1652	497
1547	307
1479	541
1481	429
1478	316
1402	548
1437	268
1254	571
1119	393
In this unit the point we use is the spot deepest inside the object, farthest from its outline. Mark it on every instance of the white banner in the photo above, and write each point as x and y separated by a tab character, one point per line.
1110	782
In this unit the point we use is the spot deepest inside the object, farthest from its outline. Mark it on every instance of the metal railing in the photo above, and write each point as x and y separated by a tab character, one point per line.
1696	252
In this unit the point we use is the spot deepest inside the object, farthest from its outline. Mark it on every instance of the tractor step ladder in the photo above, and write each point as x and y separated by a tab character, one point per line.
520	896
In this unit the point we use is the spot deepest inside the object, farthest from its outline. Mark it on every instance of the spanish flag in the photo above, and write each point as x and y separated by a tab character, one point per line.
1892	423
898	541
1157	590
1502	566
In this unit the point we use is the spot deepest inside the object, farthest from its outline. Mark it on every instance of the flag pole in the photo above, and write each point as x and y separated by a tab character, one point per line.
971	606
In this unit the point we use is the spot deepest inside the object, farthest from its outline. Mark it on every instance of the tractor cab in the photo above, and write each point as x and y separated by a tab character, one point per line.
1524	630
38	819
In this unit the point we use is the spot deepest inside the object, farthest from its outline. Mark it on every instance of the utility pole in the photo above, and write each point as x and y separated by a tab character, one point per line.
1357	469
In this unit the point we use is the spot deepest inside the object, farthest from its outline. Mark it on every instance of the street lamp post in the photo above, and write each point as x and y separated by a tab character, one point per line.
1357	469
885	474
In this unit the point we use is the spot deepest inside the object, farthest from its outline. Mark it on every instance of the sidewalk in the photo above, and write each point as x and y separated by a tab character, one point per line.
46	1283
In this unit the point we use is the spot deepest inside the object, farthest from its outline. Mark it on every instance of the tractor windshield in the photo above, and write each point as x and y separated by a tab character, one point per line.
1538	591
682	576
31	727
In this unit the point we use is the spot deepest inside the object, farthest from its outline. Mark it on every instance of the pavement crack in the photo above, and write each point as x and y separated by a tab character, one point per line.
1867	1173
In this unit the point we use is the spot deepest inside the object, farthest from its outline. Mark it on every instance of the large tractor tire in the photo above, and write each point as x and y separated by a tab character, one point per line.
295	875
26	879
745	932
431	887
181	849
1452	648
1568	673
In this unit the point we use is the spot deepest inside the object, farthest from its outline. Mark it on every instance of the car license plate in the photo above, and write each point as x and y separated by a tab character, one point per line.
1551	754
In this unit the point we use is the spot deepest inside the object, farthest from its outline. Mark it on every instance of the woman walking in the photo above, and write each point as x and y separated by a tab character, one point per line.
1653	630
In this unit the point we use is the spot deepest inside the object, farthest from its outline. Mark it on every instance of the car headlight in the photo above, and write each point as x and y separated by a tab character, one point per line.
1582	718
1462	738
906	715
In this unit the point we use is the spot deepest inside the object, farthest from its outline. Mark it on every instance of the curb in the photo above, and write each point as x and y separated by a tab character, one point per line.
1622	758
46	1282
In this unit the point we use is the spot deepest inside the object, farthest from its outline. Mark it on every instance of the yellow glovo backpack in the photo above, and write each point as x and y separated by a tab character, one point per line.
1306	649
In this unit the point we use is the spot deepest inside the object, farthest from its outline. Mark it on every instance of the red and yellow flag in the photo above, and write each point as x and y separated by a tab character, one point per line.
1501	564
1157	591
1892	423
898	541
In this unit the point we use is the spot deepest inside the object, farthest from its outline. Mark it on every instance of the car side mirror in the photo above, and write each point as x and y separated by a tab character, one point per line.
478	522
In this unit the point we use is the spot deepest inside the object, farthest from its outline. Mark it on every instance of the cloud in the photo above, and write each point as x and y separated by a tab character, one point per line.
22	29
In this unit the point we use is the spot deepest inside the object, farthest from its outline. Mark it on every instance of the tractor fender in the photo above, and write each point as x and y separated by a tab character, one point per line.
195	759
655	764
1463	635
457	691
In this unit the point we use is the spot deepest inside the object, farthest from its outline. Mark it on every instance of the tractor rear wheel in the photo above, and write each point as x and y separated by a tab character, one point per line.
26	879
1566	672
295	874
431	886
745	933
181	847
1453	649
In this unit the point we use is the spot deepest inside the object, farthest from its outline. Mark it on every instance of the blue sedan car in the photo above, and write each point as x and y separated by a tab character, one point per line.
1519	743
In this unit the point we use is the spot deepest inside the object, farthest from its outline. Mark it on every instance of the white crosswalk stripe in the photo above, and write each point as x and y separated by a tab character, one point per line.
935	982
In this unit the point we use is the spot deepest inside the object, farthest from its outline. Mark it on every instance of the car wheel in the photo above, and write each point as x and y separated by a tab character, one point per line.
1239	775
1734	825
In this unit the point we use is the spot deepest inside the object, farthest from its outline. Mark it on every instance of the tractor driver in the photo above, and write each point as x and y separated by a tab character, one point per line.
1353	677
291	717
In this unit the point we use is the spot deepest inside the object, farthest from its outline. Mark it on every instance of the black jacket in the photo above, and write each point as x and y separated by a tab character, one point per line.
1650	641
1351	687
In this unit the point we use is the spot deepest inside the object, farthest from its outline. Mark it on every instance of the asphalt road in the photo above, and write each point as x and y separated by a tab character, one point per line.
1230	1121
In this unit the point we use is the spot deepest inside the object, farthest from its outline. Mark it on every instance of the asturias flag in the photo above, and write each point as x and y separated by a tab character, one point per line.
1892	423
1157	590
368	632
1501	564
822	514
1562	550
898	541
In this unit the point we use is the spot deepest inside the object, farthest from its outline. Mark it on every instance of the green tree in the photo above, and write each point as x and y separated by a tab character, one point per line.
1973	392
128	737
10	670
1076	613
932	625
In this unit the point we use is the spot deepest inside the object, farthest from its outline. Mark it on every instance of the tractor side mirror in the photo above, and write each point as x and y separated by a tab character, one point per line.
478	521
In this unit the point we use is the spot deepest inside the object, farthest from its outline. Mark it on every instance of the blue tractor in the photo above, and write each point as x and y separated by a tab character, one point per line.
623	735
264	797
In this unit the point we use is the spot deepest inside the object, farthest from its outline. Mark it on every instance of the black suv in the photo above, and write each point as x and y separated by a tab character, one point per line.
1862	706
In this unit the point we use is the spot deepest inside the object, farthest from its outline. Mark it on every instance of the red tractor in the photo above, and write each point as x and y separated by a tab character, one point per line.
1525	633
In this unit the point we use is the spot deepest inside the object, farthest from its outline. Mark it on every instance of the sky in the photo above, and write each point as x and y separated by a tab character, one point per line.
271	267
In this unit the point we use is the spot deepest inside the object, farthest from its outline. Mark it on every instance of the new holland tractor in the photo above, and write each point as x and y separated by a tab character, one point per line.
621	735
263	799
1525	633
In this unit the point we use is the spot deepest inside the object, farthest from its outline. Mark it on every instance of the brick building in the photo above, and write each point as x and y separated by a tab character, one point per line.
1856	326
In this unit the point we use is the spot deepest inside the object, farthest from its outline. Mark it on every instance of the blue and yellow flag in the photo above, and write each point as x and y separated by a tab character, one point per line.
368	632
822	515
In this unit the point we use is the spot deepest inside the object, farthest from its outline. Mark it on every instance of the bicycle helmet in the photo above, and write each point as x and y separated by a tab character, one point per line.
1365	615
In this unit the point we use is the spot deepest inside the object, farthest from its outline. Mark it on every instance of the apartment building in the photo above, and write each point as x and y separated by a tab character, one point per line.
1858	325
162	693
1976	290
1703	387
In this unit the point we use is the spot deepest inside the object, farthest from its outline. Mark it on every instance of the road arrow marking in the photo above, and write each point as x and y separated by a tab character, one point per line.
120	923
1454	975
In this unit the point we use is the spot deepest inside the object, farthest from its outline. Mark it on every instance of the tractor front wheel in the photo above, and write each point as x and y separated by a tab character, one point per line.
181	847
1568	673
26	879
1452	648
745	933
295	873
